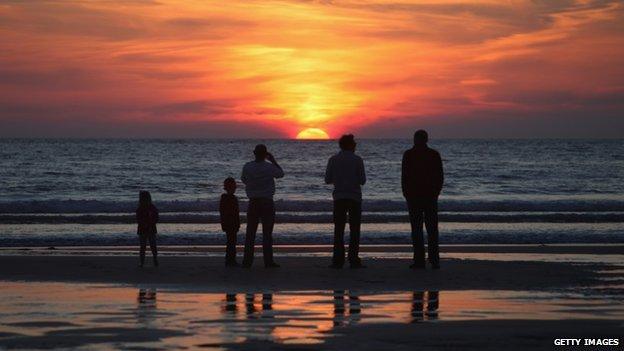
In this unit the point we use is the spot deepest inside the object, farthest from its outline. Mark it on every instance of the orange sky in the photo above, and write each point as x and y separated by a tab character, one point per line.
273	68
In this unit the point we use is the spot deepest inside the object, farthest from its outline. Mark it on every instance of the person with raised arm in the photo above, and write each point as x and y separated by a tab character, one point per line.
259	179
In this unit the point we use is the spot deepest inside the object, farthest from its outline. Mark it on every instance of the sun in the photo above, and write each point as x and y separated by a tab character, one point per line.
312	133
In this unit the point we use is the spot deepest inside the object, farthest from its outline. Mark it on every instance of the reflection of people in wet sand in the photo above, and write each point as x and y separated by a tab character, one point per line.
146	305
340	315
231	303
420	299
251	308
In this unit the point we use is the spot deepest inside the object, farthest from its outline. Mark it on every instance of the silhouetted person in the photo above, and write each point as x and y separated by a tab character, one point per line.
259	178
147	217
345	171
422	178
230	220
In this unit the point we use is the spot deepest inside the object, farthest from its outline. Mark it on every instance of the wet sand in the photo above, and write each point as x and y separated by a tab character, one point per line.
306	273
491	297
108	316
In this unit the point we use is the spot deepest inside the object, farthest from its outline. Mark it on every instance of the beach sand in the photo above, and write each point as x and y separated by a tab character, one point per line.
202	273
303	273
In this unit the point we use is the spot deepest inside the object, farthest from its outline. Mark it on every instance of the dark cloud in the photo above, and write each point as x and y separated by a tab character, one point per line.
202	22
104	128
585	123
63	78
151	57
203	107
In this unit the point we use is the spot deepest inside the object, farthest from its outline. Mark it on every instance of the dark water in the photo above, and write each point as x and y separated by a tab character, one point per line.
95	183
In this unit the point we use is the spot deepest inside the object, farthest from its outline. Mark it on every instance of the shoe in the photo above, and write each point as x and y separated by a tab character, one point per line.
357	265
417	266
335	266
435	265
272	265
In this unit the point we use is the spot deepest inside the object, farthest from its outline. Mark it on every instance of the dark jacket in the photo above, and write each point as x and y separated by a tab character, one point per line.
422	175
147	217
230	216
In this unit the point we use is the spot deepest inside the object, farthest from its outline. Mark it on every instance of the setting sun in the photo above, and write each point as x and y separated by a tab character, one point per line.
312	133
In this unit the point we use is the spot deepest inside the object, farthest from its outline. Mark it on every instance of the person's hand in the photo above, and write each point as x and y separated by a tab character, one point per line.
270	157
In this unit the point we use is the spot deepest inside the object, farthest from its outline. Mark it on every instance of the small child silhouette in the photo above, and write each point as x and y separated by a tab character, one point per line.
230	220
147	217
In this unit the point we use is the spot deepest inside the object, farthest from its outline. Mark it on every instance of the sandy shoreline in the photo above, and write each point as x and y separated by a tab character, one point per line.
594	249
171	319
306	273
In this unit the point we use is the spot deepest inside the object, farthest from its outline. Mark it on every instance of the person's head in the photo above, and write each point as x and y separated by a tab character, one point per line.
145	199
261	152
347	142
421	138
229	185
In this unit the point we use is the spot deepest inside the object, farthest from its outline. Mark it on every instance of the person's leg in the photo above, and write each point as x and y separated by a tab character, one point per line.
154	248
268	221
355	220
431	222
340	220
230	248
142	246
250	235
416	222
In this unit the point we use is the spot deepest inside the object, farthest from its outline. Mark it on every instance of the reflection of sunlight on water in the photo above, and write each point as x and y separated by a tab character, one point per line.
36	312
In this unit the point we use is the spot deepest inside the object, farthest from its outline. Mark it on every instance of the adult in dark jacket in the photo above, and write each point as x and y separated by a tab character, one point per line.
422	178
147	217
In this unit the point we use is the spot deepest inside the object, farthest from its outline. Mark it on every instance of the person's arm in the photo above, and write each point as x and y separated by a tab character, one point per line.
236	215
138	220
329	176
439	174
279	172
244	178
362	172
223	212
155	214
404	174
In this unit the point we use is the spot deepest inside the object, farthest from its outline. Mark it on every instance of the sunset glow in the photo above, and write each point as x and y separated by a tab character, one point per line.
312	133
274	68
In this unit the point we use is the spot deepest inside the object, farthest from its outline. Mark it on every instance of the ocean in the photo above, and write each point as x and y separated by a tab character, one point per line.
57	192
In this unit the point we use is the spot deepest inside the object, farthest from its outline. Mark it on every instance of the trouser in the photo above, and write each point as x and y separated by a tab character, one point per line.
230	247
259	210
143	239
424	209
342	207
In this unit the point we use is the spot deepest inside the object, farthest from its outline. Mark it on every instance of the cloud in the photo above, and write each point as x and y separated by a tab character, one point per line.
476	66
